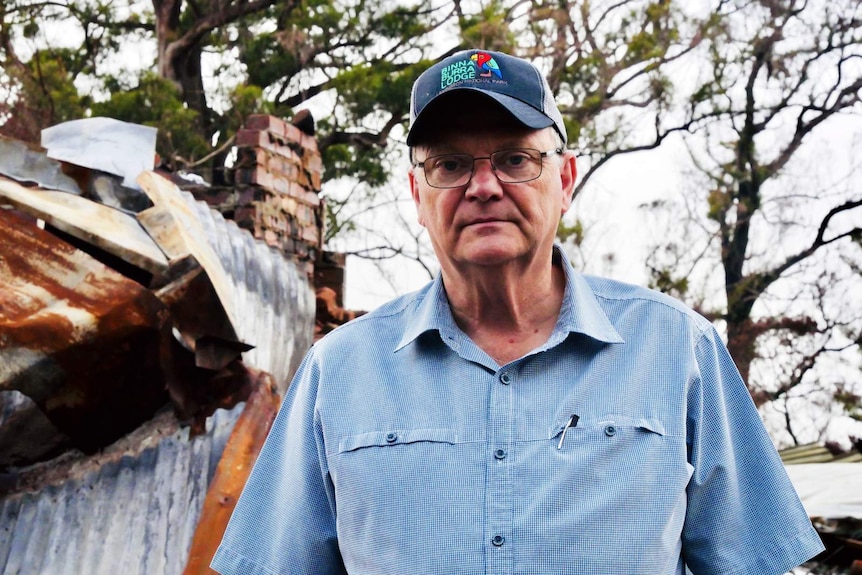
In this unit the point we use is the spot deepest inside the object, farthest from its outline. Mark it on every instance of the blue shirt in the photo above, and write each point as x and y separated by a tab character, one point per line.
626	445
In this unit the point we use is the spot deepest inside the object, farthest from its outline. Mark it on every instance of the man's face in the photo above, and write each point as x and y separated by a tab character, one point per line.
486	222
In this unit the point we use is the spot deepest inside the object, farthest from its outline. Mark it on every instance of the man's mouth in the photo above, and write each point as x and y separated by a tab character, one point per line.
484	220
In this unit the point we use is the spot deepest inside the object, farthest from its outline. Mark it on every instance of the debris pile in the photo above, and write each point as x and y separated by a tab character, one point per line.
112	301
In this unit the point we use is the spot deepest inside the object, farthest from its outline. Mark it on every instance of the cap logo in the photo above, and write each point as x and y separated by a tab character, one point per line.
487	65
480	64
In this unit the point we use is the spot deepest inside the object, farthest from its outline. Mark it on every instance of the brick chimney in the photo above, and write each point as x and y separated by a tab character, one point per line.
277	185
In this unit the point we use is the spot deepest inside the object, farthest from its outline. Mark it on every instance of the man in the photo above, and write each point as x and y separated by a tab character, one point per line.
514	416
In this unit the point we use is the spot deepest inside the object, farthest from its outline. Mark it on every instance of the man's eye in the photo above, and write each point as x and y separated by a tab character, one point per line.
449	164
513	159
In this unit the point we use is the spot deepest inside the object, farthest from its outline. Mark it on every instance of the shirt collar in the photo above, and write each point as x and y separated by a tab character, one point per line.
580	312
431	313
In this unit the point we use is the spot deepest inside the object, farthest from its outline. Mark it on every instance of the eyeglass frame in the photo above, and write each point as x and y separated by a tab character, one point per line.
542	155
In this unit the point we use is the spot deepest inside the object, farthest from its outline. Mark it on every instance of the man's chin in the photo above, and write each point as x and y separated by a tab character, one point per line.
491	252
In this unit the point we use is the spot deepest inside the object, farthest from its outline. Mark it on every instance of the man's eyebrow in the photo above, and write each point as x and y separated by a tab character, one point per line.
432	151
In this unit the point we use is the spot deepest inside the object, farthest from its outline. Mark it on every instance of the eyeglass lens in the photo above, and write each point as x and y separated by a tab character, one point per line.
510	166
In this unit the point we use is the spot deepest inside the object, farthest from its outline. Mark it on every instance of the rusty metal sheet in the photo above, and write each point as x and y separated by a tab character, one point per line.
201	324
85	343
115	232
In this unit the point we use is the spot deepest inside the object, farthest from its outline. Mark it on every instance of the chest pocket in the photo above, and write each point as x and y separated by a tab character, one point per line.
394	437
611	448
401	493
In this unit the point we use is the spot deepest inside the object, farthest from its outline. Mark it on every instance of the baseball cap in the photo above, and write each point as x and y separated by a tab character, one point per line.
515	84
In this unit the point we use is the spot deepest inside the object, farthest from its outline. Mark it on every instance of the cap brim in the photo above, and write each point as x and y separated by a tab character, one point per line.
522	113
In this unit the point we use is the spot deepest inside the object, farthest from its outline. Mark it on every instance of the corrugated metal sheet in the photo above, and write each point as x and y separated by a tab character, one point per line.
109	229
133	513
814	453
272	297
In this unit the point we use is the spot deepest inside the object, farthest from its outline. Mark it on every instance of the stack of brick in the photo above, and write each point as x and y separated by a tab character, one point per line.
278	178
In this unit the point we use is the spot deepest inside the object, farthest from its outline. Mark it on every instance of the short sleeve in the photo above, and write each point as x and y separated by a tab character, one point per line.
284	521
743	514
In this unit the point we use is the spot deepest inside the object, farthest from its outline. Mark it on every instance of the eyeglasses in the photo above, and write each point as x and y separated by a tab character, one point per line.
510	166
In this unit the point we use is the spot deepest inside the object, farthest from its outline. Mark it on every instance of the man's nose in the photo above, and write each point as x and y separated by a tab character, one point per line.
484	185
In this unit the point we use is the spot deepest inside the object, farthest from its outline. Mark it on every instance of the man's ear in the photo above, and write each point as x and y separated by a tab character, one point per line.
568	177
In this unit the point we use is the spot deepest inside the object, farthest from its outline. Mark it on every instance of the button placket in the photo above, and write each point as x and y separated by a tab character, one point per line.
499	481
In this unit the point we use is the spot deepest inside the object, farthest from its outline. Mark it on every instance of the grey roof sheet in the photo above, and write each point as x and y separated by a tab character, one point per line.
134	514
272	298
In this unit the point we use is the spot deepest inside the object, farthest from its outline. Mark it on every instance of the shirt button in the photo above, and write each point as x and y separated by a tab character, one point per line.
498	540
391	437
506	379
500	453
610	430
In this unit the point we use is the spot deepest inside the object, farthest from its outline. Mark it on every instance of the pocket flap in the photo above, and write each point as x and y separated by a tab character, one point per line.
645	423
396	437
620	421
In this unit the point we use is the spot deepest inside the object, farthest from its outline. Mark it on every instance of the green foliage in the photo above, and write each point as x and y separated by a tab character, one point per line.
370	92
573	233
718	202
51	86
335	224
362	54
643	46
30	29
366	89
402	23
247	99
573	129
489	29
664	281
850	402
266	59
361	162
45	94
360	86
157	102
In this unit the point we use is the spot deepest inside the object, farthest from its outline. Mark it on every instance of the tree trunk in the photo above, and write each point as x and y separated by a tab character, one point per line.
179	60
742	345
167	14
